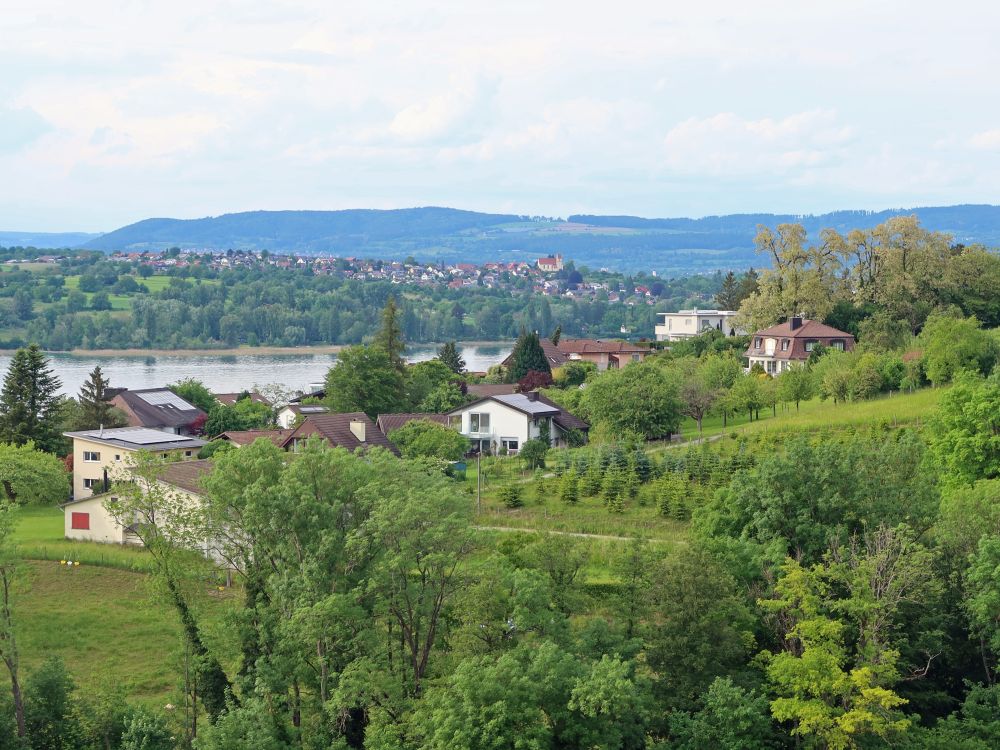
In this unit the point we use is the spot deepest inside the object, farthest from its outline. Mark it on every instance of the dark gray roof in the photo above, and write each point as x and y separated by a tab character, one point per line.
160	407
138	438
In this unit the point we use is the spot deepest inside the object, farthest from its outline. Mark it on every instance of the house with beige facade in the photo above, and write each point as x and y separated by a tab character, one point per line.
88	519
100	456
779	347
606	355
685	324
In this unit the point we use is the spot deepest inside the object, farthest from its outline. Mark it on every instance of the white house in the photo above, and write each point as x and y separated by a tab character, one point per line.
685	324
506	422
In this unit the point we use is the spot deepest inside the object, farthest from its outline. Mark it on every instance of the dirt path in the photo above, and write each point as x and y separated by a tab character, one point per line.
579	534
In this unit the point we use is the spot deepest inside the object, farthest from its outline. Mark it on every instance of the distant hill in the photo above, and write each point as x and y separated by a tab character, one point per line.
46	239
629	243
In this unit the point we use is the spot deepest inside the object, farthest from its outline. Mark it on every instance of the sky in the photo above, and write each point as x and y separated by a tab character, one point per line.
116	111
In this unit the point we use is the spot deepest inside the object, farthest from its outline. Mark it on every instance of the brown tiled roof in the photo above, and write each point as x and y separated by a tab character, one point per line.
810	330
336	430
584	346
246	437
479	390
186	475
565	419
389	422
228	399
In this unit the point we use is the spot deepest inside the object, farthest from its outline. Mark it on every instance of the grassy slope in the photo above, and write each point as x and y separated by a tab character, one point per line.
102	620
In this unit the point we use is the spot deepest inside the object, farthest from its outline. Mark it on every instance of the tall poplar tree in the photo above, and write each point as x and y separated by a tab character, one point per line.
29	401
390	335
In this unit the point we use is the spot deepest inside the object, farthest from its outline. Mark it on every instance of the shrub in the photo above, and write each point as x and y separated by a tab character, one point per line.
533	453
510	496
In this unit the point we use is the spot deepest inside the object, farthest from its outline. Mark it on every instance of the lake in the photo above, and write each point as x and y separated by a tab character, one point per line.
225	373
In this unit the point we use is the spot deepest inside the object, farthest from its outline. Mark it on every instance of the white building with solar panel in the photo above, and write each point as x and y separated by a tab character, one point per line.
503	423
99	456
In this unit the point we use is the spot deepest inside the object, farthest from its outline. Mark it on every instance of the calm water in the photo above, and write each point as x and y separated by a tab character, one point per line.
230	373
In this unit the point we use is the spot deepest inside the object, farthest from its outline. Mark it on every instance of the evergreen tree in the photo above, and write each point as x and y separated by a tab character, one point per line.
390	336
29	402
556	335
448	354
748	284
95	410
528	355
728	296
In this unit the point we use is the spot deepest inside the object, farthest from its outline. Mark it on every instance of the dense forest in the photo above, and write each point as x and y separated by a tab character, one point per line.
90	301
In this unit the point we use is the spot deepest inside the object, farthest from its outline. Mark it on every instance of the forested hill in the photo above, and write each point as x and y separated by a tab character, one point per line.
624	243
303	231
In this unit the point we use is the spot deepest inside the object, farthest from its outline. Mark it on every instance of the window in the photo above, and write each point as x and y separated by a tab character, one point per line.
636	357
810	345
187	454
756	343
92	483
511	444
118	457
80	521
837	344
770	365
479	422
455	422
784	345
91	457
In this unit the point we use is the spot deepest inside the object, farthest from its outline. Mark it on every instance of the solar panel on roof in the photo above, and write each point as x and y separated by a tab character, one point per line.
312	409
522	402
139	436
165	398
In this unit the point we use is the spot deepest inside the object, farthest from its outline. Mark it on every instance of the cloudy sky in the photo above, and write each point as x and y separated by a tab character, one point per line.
114	111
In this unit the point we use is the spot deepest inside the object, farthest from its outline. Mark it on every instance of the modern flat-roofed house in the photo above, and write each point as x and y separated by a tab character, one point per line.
778	347
605	354
505	422
87	519
288	414
158	409
98	455
685	324
351	431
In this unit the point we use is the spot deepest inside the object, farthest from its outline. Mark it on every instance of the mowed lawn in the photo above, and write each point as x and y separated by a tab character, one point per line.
106	623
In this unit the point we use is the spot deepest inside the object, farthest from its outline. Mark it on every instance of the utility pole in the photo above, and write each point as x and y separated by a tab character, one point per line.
479	482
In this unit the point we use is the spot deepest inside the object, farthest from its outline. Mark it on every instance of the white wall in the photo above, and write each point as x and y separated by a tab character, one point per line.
505	422
103	527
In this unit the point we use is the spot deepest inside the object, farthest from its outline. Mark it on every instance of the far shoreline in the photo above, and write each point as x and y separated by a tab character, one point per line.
263	351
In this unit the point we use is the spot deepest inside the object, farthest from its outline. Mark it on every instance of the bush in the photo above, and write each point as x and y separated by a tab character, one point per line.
510	496
533	453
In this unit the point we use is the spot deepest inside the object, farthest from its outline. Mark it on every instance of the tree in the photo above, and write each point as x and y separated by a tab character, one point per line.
641	398
448	354
194	392
422	437
729	295
146	731
9	653
365	379
245	414
95	409
534	380
697	396
556	335
390	335
100	301
953	344
731	717
796	384
700	626
964	434
573	373
442	399
746	395
48	705
29	402
528	355
23	304
31	476
423	378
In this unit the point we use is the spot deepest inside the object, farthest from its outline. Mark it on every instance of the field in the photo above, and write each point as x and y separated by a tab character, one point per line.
102	618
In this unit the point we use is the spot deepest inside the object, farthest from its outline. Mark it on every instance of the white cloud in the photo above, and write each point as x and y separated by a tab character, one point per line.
727	144
987	140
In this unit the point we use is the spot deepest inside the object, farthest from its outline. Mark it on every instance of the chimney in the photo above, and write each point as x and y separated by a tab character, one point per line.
358	429
101	433
794	323
532	395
